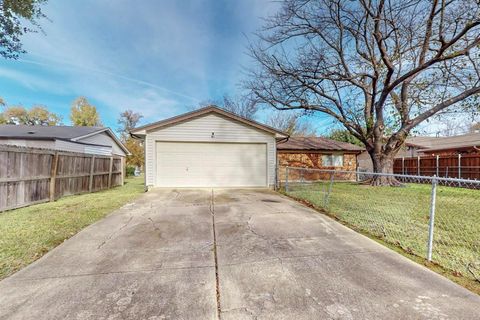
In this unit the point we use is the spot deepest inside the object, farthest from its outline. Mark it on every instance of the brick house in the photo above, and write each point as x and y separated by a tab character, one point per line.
317	153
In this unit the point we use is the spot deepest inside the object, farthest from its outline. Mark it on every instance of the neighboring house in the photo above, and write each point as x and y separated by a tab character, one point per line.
432	146
317	153
88	140
209	147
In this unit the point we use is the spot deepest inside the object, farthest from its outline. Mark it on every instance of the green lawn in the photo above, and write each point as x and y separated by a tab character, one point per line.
28	233
400	216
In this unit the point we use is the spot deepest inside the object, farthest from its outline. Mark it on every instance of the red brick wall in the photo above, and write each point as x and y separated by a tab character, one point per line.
312	160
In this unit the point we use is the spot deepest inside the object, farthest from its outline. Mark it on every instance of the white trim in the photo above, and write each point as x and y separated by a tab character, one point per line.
90	134
110	133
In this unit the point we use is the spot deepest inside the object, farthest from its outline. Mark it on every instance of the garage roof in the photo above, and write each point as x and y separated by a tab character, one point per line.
204	111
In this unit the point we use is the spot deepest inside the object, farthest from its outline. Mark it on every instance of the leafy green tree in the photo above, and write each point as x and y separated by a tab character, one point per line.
83	114
137	154
13	16
2	119
344	136
37	115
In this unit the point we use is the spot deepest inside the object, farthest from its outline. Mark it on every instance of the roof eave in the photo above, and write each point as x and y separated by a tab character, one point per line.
143	130
110	133
90	134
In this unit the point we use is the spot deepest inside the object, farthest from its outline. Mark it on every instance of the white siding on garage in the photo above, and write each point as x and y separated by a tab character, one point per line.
211	164
200	130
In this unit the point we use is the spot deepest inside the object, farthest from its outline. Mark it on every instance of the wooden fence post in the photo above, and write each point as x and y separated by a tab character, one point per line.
90	181
53	176
110	173
123	169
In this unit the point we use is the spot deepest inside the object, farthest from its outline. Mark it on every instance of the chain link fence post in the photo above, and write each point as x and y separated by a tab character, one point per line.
286	179
418	165
459	166
327	197
431	223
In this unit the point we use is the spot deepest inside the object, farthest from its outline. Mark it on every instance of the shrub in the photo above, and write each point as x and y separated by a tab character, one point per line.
130	171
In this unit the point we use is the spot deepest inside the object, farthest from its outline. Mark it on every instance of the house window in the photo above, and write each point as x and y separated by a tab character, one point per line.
332	160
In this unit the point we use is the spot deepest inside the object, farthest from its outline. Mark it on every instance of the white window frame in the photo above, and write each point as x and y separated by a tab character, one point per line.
331	160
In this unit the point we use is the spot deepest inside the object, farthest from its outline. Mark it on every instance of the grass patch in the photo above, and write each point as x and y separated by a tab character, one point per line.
399	218
28	233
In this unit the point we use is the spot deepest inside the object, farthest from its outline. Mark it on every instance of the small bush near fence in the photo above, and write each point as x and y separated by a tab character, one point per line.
30	175
402	216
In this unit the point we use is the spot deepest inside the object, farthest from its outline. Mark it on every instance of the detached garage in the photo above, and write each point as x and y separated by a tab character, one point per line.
209	147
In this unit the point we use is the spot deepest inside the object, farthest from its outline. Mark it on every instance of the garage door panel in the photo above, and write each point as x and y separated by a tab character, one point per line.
182	164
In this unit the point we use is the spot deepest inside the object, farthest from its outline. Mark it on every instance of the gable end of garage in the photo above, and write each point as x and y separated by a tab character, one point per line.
193	135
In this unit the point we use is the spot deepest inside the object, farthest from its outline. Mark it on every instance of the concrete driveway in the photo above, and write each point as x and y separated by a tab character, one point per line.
228	254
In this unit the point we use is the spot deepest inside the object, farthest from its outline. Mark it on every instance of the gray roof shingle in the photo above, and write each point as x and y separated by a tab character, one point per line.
45	132
442	143
317	144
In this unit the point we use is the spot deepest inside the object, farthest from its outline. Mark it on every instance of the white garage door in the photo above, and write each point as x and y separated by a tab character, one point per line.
186	164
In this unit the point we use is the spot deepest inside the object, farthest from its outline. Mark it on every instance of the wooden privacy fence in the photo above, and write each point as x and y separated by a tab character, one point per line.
452	166
30	175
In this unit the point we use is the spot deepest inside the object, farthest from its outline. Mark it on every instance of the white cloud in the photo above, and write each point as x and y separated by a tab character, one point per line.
159	57
32	82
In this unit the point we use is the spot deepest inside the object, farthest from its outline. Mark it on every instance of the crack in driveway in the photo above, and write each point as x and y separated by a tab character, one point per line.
217	283
110	236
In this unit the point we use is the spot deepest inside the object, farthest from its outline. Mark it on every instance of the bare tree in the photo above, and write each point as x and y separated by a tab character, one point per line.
379	67
127	121
244	106
290	123
475	128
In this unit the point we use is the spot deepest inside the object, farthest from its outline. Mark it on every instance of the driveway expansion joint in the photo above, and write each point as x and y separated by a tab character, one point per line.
215	256
307	266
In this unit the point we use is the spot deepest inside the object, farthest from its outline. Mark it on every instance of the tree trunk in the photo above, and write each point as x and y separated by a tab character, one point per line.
383	163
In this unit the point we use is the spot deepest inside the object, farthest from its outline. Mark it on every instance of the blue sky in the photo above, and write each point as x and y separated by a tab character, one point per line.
156	57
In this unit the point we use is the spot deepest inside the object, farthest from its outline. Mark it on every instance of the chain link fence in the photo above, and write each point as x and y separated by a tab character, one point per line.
434	218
